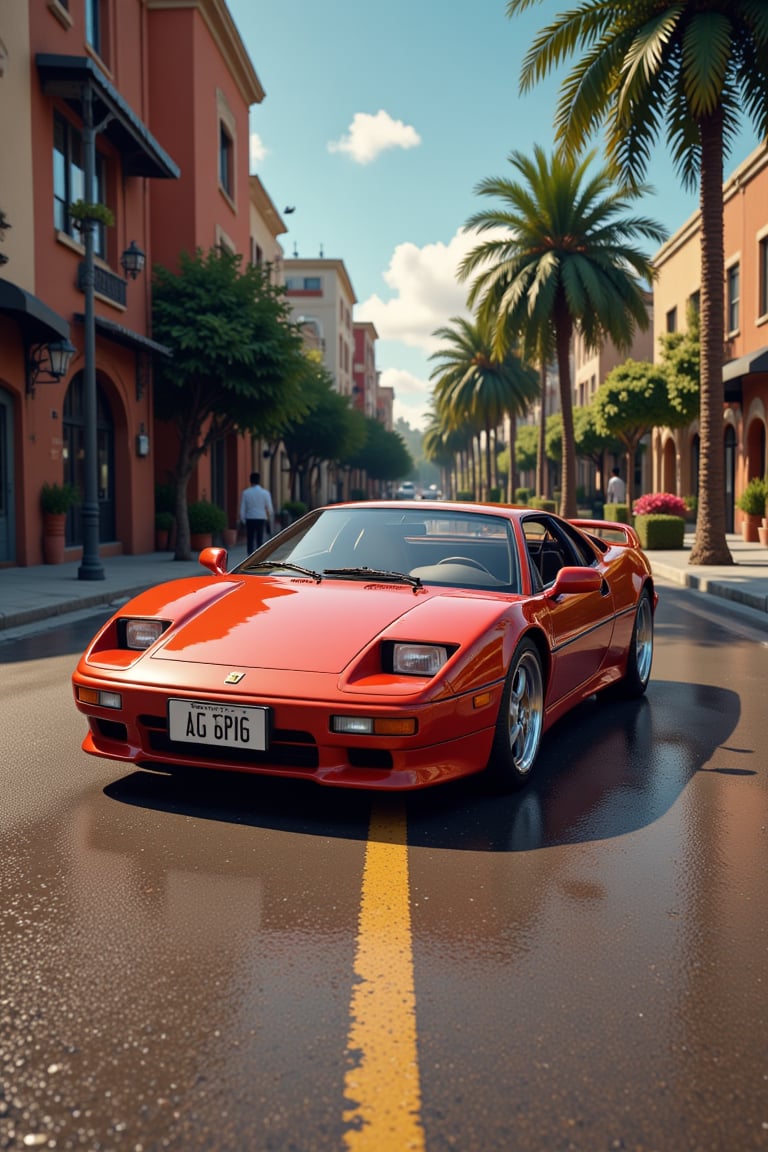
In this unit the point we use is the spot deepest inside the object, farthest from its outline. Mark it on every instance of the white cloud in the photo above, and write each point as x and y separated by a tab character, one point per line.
411	396
257	151
426	292
370	135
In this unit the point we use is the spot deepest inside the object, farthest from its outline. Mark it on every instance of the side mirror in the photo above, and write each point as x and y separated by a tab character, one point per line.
215	560
575	581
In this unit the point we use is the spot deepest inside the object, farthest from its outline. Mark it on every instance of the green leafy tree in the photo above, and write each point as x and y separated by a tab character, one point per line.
631	401
681	360
475	384
561	259
327	431
688	72
442	446
383	455
527	448
235	359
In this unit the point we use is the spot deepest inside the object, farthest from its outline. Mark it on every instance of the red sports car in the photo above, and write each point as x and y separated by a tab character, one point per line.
376	645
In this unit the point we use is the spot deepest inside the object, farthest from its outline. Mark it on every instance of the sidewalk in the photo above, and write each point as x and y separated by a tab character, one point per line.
44	593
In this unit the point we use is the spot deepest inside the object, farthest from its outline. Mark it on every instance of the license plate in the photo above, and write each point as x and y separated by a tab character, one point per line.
218	725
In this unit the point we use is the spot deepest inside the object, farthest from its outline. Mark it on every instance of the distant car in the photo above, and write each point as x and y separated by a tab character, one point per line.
433	493
381	645
406	491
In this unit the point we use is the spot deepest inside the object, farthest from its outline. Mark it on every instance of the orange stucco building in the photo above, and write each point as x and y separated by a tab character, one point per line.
169	87
745	355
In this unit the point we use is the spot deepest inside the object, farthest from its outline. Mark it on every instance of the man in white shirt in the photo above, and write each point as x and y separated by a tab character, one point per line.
617	489
256	512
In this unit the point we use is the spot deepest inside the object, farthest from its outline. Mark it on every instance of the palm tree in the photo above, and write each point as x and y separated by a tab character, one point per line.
561	258
476	385
686	71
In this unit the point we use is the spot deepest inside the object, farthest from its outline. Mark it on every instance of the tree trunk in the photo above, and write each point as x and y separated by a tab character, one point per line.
542	479
710	545
563	332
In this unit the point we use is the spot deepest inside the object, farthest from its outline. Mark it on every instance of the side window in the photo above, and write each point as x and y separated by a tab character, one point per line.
552	546
582	555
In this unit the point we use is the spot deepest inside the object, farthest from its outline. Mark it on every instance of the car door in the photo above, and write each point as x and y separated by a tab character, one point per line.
580	626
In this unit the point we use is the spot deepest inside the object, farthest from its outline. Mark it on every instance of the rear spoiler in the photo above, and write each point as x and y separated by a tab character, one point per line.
613	531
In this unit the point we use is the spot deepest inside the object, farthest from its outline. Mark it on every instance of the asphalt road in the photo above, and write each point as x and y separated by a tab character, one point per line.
243	964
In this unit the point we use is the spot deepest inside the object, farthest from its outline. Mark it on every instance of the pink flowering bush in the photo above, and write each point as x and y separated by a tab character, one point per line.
659	504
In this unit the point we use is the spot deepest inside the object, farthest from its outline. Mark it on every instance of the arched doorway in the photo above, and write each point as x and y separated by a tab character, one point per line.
73	429
730	475
7	517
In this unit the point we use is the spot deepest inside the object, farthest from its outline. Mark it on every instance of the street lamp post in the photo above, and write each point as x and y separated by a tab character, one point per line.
90	565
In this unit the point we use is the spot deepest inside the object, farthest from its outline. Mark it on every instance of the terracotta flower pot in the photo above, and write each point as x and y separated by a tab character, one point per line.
54	525
749	527
200	540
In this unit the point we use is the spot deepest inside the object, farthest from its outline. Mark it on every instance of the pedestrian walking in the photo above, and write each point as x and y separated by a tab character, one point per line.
617	489
256	512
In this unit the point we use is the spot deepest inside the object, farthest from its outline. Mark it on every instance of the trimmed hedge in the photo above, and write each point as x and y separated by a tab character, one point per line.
543	503
658	532
619	512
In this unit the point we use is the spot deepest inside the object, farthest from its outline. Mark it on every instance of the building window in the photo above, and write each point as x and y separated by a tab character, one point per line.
694	302
763	256
672	320
69	180
95	27
303	284
226	162
732	292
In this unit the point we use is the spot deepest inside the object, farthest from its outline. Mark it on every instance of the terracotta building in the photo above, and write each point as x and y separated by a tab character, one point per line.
74	100
745	355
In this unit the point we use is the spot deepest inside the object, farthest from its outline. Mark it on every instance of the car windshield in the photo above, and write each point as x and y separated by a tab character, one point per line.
452	548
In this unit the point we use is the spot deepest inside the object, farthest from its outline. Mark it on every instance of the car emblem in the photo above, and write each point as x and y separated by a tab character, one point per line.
234	677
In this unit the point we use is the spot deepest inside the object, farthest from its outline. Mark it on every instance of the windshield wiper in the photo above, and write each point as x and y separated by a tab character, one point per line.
316	576
374	574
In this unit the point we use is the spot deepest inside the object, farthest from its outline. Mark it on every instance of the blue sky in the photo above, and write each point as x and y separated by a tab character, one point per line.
379	121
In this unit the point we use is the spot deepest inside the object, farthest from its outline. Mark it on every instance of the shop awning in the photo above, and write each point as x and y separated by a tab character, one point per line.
67	77
734	372
39	324
125	336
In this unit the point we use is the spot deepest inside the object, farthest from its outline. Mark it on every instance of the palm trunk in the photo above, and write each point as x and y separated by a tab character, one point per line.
710	545
564	330
542	480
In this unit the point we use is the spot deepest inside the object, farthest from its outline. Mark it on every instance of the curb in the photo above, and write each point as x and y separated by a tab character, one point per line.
714	587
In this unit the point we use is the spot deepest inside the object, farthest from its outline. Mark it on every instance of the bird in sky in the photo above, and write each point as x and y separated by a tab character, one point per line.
289	209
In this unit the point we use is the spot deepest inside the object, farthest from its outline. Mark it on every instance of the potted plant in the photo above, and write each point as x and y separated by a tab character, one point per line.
751	503
205	519
82	210
55	501
163	525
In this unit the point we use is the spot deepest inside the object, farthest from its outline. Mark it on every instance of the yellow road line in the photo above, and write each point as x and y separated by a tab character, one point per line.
383	1086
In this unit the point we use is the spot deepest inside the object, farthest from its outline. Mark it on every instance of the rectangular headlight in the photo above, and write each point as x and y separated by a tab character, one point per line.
142	634
419	659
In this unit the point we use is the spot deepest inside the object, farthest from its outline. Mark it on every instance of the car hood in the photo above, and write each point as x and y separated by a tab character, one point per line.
300	625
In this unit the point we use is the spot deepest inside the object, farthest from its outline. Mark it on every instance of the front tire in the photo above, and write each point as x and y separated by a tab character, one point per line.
520	721
640	656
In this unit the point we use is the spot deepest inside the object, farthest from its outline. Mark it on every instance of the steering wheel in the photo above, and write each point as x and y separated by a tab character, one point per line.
470	563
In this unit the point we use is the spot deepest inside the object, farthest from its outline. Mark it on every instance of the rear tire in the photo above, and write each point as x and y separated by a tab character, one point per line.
640	656
520	721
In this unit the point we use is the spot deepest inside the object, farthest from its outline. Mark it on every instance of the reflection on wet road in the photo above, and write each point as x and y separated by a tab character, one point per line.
233	963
